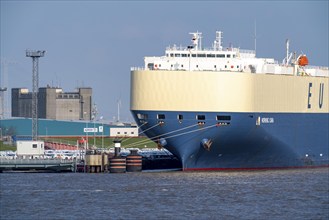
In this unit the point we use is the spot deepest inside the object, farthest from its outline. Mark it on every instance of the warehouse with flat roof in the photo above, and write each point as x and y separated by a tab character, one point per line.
22	127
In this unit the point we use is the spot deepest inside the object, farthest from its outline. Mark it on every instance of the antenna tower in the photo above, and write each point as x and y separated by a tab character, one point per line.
35	55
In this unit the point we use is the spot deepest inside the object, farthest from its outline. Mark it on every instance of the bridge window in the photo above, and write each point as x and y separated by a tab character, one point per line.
220	55
150	66
228	55
177	55
184	55
193	55
201	55
210	55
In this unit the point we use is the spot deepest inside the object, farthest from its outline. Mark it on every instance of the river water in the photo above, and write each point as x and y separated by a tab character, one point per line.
275	194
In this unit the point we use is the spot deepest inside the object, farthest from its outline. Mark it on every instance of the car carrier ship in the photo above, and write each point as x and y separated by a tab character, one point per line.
224	108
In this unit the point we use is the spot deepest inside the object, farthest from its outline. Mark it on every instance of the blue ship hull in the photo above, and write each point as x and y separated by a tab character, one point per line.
240	140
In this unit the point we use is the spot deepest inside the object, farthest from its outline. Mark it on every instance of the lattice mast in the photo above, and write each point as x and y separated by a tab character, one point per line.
35	55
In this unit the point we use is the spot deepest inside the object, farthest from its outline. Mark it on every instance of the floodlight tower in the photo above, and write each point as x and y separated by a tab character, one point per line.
35	87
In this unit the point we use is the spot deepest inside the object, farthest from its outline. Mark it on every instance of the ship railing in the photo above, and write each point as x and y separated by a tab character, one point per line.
175	47
33	161
247	51
184	48
317	67
136	68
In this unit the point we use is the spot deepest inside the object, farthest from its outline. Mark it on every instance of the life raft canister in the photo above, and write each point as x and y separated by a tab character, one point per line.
303	61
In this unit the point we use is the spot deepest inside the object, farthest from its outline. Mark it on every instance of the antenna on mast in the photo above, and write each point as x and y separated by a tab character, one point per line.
218	41
119	105
255	37
196	40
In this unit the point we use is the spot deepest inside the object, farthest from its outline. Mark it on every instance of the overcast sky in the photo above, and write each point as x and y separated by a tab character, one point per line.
94	43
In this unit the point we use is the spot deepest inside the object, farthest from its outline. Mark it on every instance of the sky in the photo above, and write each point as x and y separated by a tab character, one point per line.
95	43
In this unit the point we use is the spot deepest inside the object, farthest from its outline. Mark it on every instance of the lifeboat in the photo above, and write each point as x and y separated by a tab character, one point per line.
302	60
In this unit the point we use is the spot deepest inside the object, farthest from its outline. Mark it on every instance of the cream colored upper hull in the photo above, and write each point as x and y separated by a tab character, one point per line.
207	91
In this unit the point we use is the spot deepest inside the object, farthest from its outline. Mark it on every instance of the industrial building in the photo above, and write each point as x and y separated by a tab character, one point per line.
53	103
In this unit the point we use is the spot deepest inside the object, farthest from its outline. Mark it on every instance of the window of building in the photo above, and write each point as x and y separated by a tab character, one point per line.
34	145
125	132
132	132
118	132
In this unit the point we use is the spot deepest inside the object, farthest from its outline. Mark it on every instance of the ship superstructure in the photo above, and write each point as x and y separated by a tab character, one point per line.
196	58
223	108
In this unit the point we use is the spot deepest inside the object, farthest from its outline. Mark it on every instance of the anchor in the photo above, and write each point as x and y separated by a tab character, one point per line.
206	143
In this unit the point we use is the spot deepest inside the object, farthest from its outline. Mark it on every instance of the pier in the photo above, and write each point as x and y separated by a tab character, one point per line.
51	165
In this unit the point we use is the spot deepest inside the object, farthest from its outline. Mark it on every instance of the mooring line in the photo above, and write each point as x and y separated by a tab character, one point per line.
142	142
176	135
140	132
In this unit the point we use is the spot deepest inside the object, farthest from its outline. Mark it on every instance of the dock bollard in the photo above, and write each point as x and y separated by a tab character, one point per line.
134	162
93	162
117	164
